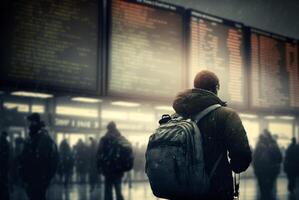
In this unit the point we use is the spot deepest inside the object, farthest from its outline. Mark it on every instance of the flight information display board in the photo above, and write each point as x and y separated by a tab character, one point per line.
146	49
54	45
274	71
218	45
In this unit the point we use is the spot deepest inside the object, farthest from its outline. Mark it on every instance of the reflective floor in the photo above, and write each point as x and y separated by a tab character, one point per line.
142	191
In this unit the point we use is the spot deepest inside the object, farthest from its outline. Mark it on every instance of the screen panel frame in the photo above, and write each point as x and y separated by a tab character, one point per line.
156	5
272	110
226	22
11	85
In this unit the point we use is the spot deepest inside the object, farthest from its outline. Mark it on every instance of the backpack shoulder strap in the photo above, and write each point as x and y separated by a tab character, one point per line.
197	118
215	166
206	111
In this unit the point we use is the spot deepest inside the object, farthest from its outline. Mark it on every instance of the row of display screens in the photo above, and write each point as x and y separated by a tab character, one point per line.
145	49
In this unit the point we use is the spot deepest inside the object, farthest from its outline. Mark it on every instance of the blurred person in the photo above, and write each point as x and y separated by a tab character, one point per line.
267	159
66	162
92	167
81	160
139	163
38	160
114	157
291	164
17	151
15	177
138	167
142	160
4	168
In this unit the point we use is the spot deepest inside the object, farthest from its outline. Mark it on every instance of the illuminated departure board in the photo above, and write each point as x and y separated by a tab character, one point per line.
217	45
146	49
274	71
54	44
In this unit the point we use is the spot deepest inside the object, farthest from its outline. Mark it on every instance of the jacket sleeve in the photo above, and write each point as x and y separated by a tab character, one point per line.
237	143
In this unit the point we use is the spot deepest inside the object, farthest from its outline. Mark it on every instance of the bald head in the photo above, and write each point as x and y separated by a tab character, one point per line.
207	80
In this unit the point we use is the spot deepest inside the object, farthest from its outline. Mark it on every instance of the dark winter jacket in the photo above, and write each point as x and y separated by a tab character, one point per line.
92	153
106	159
4	158
66	158
81	157
223	133
39	159
267	157
291	161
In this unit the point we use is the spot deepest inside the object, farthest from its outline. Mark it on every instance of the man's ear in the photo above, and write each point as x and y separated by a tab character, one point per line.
215	91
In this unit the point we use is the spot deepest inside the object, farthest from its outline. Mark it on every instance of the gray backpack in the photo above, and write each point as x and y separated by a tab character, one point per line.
174	158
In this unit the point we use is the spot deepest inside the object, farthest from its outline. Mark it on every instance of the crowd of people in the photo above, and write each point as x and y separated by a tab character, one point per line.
77	164
34	162
268	161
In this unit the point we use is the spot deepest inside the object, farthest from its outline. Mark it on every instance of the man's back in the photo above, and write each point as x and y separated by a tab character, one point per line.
291	161
66	158
267	157
107	159
222	132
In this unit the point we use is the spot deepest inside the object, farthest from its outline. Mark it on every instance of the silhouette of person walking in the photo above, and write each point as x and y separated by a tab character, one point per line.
39	159
291	164
267	159
4	168
92	166
81	160
114	157
66	162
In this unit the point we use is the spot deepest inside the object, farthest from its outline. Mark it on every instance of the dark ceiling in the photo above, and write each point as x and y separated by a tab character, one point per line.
277	16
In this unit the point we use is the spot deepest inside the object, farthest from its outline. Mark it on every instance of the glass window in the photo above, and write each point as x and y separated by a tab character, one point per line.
252	129
283	132
72	138
19	106
142	117
114	115
73	111
38	108
137	138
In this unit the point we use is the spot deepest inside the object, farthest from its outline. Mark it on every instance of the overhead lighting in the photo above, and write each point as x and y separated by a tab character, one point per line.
86	100
125	104
168	108
270	117
32	94
287	117
249	116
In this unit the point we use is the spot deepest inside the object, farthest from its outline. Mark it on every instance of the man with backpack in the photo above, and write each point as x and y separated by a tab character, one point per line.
38	160
193	152
114	157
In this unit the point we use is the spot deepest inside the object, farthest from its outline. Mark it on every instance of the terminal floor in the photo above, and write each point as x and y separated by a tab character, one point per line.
141	191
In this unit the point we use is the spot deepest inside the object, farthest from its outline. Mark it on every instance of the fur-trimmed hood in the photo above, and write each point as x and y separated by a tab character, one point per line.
193	101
